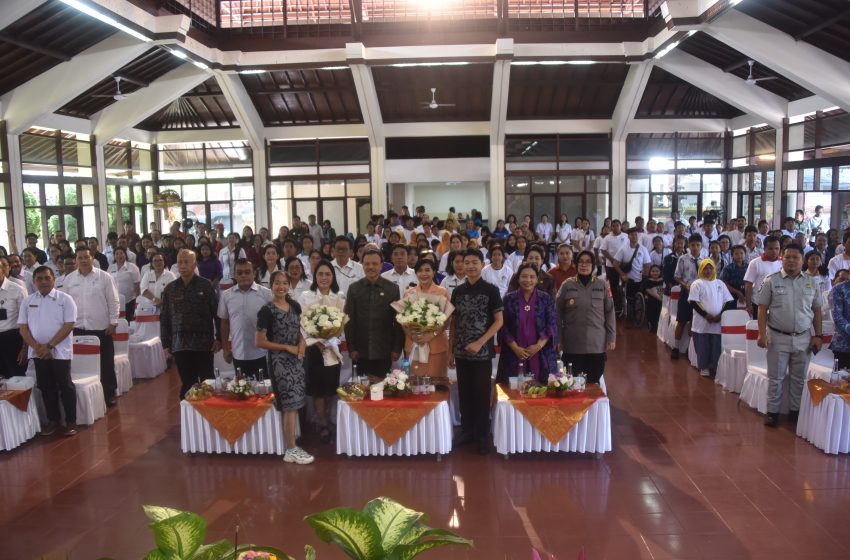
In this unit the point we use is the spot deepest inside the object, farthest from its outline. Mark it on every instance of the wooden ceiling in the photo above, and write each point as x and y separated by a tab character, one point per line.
203	107
135	75
297	97
729	60
401	92
667	96
49	35
565	92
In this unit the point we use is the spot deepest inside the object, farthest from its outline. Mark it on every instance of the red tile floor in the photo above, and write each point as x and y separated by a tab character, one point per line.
693	475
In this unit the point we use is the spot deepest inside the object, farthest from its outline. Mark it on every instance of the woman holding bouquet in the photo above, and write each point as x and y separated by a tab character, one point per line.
530	329
322	380
279	332
437	341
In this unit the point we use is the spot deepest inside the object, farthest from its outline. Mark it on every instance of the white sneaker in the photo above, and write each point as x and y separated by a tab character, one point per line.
298	456
705	372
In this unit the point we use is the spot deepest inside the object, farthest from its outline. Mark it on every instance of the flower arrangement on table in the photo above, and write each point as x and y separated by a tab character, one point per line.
396	384
563	384
323	324
240	388
420	315
200	392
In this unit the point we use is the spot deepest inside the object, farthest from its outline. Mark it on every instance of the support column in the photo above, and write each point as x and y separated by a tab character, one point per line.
100	185
618	179
262	208
496	197
17	190
778	180
378	159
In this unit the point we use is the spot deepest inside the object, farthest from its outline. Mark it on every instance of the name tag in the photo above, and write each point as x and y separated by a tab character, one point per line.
33	305
780	290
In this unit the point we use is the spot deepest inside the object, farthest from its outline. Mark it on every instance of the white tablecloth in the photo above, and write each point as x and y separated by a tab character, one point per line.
827	425
17	426
147	359
198	436
512	433
731	370
354	437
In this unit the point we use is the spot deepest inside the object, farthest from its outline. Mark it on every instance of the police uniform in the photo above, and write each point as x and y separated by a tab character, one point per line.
586	324
791	303
11	298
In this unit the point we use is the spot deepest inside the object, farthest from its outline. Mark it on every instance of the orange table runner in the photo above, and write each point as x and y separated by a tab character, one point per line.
552	417
18	397
230	417
391	418
819	389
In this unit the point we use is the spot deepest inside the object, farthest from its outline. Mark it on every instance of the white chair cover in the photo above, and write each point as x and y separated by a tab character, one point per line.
663	318
122	307
123	371
147	358
732	366
670	335
692	354
17	426
85	373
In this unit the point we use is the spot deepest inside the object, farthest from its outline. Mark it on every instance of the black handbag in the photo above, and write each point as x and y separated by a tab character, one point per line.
626	267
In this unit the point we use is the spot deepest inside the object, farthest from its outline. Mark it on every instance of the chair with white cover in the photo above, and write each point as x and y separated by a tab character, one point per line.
663	319
123	371
670	335
122	307
692	354
147	357
85	373
732	366
754	388
822	363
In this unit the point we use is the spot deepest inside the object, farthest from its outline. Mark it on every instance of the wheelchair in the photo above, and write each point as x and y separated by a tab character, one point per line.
633	308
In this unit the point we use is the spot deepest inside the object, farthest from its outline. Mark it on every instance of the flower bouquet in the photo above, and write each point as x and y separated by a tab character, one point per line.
324	323
396	384
420	314
200	392
240	388
561	384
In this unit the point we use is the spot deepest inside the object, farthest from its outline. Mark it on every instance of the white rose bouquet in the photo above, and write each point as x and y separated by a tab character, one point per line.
420	314
240	388
324	324
397	384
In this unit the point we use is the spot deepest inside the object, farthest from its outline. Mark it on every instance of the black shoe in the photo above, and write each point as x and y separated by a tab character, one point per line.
461	439
483	447
771	419
674	355
49	428
324	435
793	415
111	402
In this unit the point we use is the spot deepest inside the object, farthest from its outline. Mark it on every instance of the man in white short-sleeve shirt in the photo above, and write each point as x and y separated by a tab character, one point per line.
759	269
12	347
347	271
400	274
238	308
636	255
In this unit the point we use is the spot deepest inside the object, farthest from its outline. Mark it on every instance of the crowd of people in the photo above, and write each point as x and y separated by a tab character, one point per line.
538	292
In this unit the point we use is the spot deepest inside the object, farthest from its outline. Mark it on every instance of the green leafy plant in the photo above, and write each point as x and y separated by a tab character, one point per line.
384	530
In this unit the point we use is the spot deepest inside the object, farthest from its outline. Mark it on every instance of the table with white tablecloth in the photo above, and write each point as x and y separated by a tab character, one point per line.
431	435
16	425
514	433
827	424
197	435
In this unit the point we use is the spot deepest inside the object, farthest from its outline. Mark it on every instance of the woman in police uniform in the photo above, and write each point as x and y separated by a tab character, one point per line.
586	319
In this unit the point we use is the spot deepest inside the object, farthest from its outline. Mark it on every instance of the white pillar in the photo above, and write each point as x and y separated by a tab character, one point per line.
100	184
17	190
261	190
378	160
496	192
778	180
618	179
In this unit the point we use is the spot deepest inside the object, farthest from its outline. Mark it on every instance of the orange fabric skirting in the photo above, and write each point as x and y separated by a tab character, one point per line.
230	417
391	418
819	389
20	398
553	417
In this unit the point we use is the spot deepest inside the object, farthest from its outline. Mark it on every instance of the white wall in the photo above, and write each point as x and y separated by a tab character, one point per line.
438	197
437	170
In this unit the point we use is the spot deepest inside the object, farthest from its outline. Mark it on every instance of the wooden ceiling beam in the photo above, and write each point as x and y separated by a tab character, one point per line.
822	25
30	46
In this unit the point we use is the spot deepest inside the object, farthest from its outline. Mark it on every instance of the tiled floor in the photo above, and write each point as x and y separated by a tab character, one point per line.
693	475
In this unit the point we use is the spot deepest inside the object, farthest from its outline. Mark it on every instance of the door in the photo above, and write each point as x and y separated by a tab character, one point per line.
571	205
751	207
687	205
68	219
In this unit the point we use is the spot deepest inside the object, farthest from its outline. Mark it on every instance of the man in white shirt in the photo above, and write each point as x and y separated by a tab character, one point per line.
315	230
611	245
228	256
96	297
635	257
759	269
737	231
347	271
400	274
237	309
544	229
12	349
46	319
751	244
18	275
818	223
671	223
789	227
708	233
840	261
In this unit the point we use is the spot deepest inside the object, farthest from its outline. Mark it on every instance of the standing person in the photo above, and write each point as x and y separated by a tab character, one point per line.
438	342
12	349
758	270
314	230
279	332
840	296
789	307
687	268
46	320
841	260
209	266
156	279
96	297
347	271
127	280
238	307
610	247
707	296
455	274
322	380
374	338
587	322
400	274
632	264
565	269
733	276
498	272
298	282
228	256
813	262
188	323
271	263
476	320
752	247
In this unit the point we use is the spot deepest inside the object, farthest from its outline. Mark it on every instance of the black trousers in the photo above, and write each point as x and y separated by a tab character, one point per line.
54	382
193	366
252	368
843	359
591	364
375	368
473	386
614	282
10	346
653	312
107	362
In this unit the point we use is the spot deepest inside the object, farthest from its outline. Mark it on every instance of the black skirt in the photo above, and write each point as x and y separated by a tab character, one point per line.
322	380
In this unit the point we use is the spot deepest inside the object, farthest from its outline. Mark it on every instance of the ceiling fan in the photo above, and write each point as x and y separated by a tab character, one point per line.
433	103
753	81
117	96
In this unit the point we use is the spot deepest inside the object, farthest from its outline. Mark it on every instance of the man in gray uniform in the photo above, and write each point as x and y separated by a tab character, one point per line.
789	305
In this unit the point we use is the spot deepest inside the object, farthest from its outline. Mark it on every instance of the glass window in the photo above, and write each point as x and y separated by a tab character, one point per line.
359	187
844	178
332	189
712	182
280	189
517	204
218	191
517	185
808	179
638	184
305	189
663	183
825	182
637	205
689	183
528	149
543	185
597	183
571	184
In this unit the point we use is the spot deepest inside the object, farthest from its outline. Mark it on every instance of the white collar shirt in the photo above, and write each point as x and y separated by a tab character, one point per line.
500	278
125	279
20	282
402	280
564	231
614	243
451	282
11	298
96	298
310	298
348	274
712	295
240	308
638	255
836	263
228	262
156	285
45	316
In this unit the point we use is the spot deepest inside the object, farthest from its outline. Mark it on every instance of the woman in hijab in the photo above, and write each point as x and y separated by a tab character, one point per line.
707	295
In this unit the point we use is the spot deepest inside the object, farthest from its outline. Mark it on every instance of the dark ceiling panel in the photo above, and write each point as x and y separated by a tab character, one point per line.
728	59
667	96
823	23
203	107
565	92
143	70
307	96
45	37
401	92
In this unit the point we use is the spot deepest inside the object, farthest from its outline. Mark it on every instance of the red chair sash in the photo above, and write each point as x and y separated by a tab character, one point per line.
147	318
735	329
827	338
121	337
86	349
752	334
223	287
675	295
122	314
